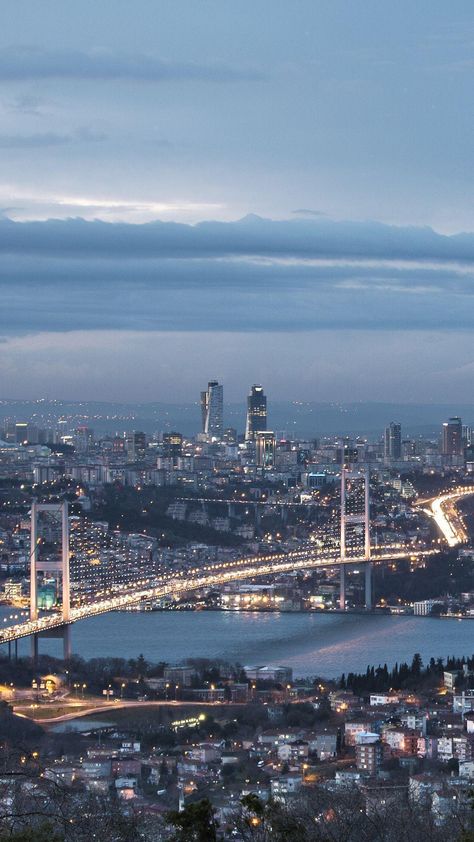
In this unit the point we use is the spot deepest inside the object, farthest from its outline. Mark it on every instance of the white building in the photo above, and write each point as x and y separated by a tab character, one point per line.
424	607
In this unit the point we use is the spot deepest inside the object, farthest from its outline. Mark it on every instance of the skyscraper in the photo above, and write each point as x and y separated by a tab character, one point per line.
393	441
172	446
452	441
265	445
135	445
256	413
212	410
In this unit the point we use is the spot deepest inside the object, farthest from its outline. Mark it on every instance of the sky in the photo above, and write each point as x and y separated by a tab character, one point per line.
275	192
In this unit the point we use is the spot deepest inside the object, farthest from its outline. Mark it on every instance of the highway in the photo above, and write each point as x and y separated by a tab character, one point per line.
210	576
446	516
111	707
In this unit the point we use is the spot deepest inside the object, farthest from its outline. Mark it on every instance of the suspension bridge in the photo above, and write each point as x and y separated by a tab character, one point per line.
99	573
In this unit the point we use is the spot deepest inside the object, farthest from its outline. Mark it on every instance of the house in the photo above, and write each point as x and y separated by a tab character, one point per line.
293	752
285	785
323	744
274	737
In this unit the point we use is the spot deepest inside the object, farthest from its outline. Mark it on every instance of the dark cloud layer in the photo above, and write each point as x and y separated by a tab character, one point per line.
252	275
21	63
250	236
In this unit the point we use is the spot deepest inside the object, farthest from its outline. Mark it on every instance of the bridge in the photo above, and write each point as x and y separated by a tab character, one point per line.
209	576
132	586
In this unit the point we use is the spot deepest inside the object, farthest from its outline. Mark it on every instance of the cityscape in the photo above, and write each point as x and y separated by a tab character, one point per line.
236	421
245	523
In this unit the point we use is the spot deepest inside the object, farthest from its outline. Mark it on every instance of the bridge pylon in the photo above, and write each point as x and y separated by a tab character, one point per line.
39	565
355	514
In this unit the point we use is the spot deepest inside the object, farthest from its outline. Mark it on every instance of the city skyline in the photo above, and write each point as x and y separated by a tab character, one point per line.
236	420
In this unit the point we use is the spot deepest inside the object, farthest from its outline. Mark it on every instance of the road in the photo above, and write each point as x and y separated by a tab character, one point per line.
446	516
110	707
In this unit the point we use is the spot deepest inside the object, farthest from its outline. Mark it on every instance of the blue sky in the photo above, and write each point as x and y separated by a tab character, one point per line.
271	191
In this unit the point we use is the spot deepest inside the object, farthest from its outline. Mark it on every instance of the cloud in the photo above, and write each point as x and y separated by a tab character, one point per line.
252	236
20	63
308	212
25	204
39	140
27	104
253	275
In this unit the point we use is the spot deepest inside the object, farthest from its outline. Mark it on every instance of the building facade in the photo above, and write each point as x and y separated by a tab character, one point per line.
256	413
393	441
212	410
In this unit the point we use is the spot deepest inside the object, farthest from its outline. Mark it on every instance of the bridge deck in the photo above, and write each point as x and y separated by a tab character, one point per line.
217	574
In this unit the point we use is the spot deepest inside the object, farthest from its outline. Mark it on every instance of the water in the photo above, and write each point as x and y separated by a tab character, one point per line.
312	644
80	725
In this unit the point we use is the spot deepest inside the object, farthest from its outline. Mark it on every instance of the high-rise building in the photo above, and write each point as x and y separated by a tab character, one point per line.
229	435
452	440
172	446
265	444
346	452
83	438
256	413
393	441
212	410
21	432
136	446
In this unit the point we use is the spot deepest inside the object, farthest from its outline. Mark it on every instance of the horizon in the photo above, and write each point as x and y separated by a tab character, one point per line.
293	419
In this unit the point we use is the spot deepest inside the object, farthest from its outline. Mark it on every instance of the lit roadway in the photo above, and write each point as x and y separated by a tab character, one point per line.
236	502
210	576
447	518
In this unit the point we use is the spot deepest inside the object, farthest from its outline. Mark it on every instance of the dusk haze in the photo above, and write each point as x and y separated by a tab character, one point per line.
236	421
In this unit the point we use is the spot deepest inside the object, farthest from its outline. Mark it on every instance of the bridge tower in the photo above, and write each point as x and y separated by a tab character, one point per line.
355	517
37	565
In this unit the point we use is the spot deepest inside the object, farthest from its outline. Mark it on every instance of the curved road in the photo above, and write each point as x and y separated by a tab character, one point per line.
111	706
446	516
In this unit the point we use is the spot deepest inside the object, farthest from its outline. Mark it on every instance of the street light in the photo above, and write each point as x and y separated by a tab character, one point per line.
108	692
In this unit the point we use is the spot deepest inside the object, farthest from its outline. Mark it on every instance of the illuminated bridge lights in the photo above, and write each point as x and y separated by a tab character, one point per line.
143	590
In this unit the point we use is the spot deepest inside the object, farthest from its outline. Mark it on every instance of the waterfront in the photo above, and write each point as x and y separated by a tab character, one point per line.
323	644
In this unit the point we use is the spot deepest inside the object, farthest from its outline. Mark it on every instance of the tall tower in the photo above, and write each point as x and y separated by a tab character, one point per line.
393	441
212	410
452	442
256	413
61	510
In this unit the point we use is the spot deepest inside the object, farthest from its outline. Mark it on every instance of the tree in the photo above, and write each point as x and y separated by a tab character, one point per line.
142	666
196	823
416	665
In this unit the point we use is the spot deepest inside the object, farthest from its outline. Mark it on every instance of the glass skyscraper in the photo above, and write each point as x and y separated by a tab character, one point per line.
212	410
256	413
393	441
